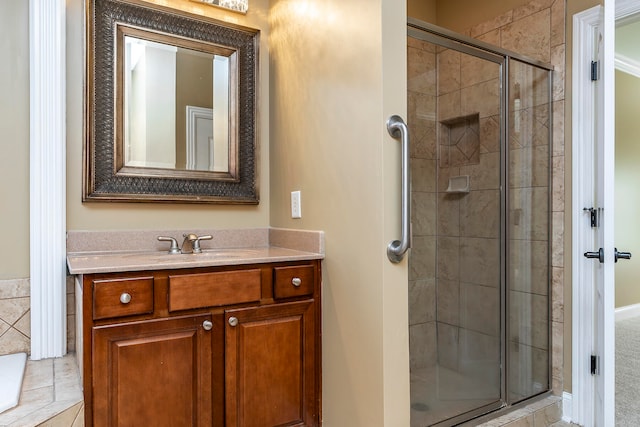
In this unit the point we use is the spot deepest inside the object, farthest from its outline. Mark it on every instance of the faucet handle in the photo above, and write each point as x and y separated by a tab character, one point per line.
196	243
174	249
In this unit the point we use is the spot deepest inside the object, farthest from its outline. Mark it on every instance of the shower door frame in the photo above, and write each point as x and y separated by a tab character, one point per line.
442	37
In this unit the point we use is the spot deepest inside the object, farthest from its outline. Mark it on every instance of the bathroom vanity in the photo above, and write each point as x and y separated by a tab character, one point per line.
222	338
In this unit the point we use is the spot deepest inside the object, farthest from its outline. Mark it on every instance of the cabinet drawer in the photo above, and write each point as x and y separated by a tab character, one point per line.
294	281
122	297
214	289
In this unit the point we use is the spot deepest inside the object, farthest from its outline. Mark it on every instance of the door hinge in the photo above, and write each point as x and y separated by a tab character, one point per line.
595	70
594	216
595	365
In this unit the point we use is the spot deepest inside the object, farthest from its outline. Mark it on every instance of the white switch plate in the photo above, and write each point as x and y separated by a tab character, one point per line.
296	207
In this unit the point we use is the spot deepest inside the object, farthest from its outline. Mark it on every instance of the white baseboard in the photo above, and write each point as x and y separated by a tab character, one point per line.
627	311
567	407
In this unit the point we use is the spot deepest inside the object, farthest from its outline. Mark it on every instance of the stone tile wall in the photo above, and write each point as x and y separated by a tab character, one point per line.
422	262
537	30
15	316
468	224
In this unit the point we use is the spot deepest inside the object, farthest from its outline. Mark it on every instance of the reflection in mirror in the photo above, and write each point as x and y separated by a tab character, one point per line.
185	125
236	5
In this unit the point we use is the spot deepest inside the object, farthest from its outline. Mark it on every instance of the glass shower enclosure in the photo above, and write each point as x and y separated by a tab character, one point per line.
480	125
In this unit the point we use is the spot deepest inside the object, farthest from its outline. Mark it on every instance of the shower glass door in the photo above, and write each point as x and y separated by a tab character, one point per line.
479	120
528	231
455	283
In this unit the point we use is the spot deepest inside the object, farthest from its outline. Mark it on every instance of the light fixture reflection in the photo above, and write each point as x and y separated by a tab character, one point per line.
235	5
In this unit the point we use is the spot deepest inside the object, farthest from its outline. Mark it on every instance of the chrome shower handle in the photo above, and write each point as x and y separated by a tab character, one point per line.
396	249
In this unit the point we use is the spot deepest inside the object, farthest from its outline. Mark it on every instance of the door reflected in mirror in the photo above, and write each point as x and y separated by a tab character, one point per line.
176	107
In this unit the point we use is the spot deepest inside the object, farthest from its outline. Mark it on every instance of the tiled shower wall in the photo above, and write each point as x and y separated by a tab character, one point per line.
528	203
454	266
535	30
15	316
468	225
422	262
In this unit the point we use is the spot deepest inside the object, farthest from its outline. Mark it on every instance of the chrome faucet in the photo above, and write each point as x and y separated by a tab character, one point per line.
190	244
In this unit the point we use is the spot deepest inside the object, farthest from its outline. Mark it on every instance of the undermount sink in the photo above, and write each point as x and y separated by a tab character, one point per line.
202	256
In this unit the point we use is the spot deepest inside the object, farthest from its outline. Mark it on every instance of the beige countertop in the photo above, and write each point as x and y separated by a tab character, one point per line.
111	262
119	251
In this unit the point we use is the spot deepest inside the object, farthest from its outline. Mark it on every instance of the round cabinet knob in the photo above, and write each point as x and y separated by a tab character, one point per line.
296	281
125	298
207	325
233	321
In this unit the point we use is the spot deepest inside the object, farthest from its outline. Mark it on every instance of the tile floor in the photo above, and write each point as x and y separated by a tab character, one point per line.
51	396
546	412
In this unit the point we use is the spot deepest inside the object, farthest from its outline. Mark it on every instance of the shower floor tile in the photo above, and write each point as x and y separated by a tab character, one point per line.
438	393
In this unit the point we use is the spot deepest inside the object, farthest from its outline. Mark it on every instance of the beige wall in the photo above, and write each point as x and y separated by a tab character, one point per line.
627	196
458	15
424	10
14	139
105	216
338	71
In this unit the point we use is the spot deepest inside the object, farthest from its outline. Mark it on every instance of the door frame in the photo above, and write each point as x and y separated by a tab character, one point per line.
585	26
579	406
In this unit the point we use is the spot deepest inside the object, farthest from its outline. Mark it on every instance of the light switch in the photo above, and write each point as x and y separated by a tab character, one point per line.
296	207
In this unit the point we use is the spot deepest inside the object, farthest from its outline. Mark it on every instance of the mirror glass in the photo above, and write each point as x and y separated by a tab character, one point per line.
170	106
176	107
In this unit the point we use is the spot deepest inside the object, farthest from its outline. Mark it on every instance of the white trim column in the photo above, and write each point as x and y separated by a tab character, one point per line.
47	177
585	25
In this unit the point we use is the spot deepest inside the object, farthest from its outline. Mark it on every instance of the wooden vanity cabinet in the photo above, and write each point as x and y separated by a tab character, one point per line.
158	371
270	365
235	346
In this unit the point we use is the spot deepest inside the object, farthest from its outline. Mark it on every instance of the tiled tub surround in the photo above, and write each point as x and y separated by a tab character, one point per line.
15	316
51	391
51	396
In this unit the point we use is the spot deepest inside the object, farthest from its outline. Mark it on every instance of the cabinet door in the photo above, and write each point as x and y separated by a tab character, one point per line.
153	373
270	372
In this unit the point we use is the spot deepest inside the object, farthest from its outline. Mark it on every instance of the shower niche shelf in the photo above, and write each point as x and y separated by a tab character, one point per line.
460	141
458	184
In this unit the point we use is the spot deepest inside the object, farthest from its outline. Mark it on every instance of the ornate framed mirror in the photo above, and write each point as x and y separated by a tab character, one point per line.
170	106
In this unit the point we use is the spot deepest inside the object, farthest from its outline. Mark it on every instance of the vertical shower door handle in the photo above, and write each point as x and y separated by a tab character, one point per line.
397	248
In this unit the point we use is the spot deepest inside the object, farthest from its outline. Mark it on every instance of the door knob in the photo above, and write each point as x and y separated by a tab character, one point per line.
621	255
207	325
598	255
233	321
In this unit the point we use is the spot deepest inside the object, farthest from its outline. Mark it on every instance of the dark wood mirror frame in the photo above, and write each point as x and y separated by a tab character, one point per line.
105	177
